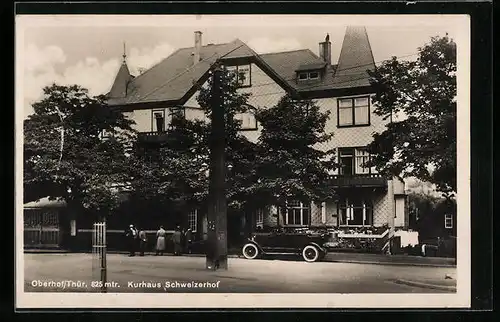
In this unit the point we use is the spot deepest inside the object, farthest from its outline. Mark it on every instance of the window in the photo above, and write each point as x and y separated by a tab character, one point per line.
353	111
346	160
362	158
178	111
248	121
355	212
312	75
353	161
158	121
296	213
259	220
243	74
105	135
448	221
193	220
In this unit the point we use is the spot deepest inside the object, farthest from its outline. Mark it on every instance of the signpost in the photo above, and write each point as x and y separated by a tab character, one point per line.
216	257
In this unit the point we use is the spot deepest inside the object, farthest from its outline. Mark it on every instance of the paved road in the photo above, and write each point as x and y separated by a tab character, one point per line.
160	274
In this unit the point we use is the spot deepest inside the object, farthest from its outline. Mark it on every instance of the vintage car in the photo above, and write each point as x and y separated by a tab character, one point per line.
310	244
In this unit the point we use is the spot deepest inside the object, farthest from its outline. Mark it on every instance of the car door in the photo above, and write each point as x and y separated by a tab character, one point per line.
274	242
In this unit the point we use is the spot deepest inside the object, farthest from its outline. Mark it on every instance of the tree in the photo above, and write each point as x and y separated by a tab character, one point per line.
289	164
423	144
240	152
420	205
171	173
76	149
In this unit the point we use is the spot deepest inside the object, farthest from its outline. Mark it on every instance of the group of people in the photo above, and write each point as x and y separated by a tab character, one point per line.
138	240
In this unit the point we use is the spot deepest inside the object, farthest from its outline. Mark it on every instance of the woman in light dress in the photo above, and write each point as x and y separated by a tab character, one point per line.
161	235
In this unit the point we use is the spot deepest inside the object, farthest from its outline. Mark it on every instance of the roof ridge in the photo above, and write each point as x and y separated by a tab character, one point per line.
287	51
175	52
187	69
208	45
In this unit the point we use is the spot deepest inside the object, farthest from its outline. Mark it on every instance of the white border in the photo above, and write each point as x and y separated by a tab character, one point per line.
461	25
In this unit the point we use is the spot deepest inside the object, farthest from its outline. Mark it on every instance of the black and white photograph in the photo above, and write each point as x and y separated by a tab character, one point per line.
218	161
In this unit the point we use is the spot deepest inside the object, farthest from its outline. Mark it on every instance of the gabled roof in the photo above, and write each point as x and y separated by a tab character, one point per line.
355	58
174	76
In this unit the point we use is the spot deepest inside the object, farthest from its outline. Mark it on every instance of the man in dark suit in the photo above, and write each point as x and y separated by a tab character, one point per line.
132	236
143	241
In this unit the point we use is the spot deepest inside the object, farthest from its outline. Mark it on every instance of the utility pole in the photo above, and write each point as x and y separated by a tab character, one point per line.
216	257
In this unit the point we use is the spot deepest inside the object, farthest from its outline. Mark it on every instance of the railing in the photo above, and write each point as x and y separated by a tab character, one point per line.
153	136
154	133
359	180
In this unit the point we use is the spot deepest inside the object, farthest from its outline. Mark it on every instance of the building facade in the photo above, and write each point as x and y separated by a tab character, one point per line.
366	200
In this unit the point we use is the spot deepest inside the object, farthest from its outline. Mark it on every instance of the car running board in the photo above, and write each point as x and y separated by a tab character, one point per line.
268	253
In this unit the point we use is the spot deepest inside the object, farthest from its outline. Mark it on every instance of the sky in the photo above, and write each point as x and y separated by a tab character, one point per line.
88	50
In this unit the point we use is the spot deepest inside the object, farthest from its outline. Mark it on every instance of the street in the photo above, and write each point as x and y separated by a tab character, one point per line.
73	273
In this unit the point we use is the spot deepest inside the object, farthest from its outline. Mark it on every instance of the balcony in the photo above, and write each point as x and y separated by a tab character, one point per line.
359	181
153	137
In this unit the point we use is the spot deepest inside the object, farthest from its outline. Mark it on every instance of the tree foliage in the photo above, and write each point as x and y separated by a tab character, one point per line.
290	162
240	152
174	172
75	149
171	172
423	143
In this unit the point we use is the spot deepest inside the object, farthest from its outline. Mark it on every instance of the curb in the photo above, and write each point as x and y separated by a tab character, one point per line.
348	261
28	251
426	285
391	263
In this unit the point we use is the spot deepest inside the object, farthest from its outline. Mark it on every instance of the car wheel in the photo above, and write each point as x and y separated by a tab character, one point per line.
250	251
310	253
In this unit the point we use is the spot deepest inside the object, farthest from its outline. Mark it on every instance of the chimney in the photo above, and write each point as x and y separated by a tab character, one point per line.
197	47
325	50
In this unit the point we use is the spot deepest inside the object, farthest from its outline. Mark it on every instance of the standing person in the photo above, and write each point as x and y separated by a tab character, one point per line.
161	235
132	239
176	238
189	240
143	241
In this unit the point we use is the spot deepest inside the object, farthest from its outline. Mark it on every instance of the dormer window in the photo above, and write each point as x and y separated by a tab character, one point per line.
303	76
313	75
310	75
310	72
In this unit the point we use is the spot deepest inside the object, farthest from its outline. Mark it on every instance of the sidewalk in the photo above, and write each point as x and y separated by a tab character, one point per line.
444	285
354	258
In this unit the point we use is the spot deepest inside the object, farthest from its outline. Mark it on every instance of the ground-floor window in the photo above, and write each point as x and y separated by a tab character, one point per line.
259	219
355	212
448	221
193	220
296	213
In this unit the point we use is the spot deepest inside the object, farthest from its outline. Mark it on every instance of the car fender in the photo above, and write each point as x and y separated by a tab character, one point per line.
321	249
251	241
